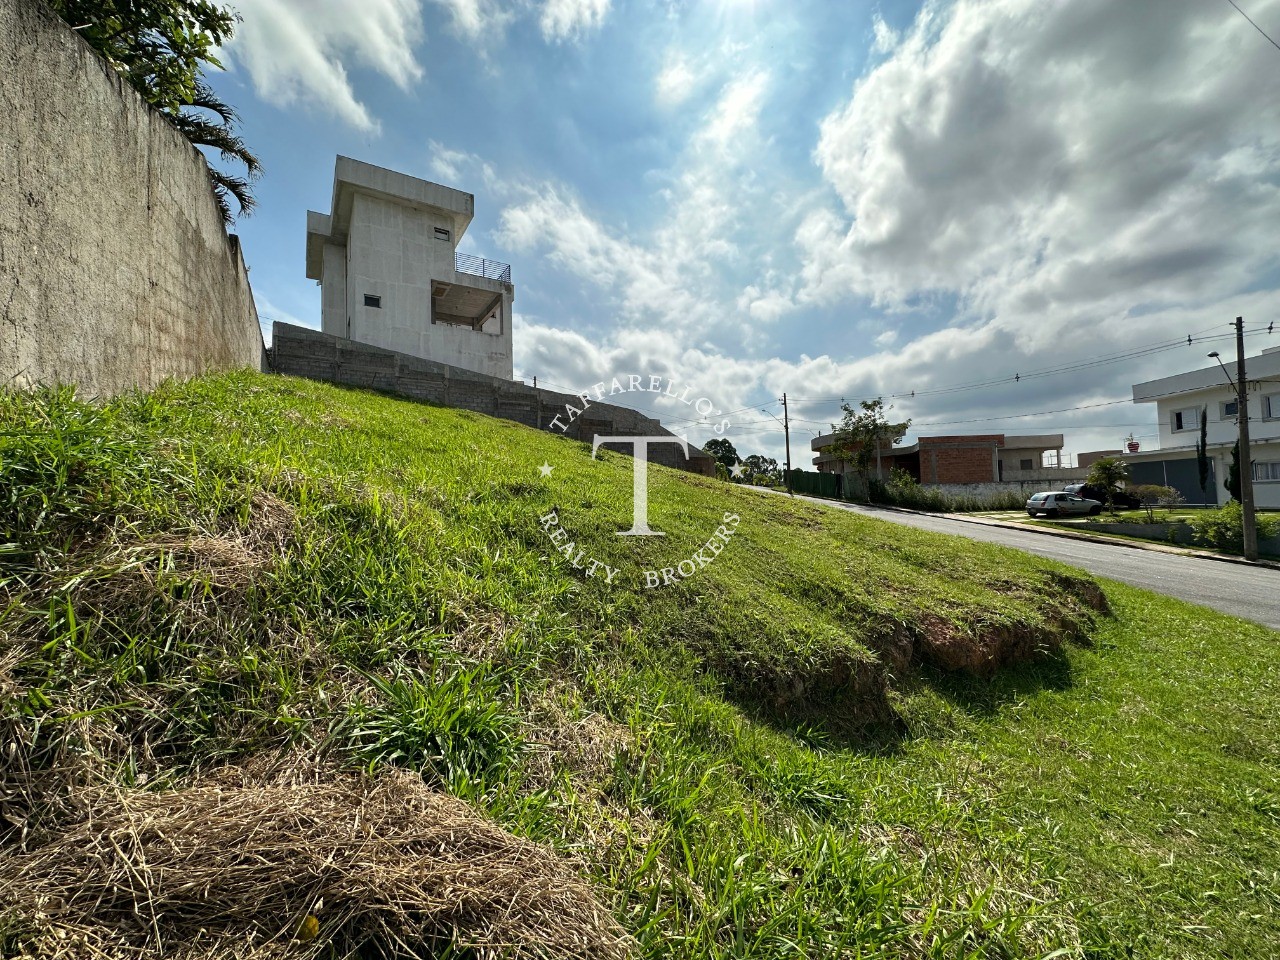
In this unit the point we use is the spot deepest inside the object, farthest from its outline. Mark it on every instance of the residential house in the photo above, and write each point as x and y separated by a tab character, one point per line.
391	276
968	463
1179	401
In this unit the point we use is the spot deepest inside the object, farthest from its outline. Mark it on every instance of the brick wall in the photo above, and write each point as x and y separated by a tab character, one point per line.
959	459
301	352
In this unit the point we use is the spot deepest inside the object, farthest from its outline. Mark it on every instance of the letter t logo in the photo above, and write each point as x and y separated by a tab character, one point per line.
640	479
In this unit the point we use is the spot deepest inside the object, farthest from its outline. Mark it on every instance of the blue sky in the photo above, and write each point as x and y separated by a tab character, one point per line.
835	200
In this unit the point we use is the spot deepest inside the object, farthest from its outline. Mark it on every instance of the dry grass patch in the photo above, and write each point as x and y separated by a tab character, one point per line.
335	864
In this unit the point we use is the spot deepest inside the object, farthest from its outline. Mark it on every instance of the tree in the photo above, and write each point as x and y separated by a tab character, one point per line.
1202	454
1232	482
864	431
1153	495
1108	473
161	48
723	452
761	470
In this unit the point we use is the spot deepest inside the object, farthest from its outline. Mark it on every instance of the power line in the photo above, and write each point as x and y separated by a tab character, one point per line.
743	427
1255	26
1073	367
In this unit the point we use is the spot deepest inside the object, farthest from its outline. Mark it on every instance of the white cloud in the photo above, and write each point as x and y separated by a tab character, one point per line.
666	277
1077	179
675	84
445	163
885	37
688	70
456	168
570	19
478	19
736	112
296	51
1034	157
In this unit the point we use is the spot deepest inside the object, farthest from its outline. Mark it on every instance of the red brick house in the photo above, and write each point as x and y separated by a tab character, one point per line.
981	458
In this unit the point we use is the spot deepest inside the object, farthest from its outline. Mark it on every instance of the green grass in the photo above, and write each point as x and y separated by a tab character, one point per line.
742	764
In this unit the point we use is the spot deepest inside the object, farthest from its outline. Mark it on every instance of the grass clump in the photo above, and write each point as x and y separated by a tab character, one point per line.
902	491
842	738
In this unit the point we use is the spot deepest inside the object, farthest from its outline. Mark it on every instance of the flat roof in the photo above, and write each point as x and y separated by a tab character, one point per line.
352	176
1008	441
1265	364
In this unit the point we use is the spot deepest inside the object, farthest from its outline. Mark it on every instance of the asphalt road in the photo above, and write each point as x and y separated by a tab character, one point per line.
1249	592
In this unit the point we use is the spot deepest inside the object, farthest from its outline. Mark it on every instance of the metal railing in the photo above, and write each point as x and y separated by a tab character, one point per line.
479	267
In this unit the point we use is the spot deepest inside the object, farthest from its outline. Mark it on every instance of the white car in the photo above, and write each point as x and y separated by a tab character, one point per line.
1061	504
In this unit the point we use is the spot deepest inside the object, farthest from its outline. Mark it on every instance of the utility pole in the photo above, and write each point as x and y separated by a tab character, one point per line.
786	430
1246	460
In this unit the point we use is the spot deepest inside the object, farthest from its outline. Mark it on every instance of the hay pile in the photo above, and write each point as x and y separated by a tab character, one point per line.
336	867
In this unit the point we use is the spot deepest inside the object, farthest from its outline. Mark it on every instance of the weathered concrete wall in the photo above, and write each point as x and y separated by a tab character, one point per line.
1008	486
115	268
301	352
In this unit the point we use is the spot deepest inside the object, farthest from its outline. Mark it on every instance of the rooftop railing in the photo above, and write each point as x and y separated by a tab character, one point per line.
479	267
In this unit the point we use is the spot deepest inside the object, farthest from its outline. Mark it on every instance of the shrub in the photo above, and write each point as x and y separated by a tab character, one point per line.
1153	495
1224	528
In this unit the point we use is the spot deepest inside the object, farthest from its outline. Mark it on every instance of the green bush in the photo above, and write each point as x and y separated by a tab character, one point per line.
1223	528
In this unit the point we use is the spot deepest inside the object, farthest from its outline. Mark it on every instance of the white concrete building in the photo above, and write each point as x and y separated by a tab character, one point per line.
1179	401
387	261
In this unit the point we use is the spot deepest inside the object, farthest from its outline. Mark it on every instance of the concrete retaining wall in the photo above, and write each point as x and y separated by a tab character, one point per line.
115	268
1166	532
302	352
1179	533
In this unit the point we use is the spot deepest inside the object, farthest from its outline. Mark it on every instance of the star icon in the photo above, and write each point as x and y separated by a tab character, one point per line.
546	469
737	470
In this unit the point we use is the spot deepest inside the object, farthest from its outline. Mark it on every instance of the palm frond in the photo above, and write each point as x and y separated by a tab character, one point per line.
217	132
205	99
226	186
217	136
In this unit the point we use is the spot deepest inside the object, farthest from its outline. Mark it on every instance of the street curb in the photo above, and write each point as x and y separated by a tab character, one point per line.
1064	534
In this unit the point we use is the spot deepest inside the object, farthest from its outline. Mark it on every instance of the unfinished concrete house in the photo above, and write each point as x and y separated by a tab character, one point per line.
386	256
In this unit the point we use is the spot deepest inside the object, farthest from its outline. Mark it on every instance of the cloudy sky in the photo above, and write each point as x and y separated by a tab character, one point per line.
832	200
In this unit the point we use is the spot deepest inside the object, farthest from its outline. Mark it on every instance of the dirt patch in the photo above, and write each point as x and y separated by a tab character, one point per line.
844	694
982	648
335	866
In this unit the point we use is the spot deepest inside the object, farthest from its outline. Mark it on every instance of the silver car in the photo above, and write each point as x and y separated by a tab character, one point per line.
1062	504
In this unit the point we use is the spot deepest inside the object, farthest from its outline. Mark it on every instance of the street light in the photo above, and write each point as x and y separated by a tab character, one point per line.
1215	355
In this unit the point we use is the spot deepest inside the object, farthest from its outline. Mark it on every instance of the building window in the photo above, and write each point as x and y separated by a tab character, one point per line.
372	301
1188	419
1027	464
442	233
1271	407
1228	410
1266	471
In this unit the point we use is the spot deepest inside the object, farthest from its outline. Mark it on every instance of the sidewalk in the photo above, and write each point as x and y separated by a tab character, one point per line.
1131	544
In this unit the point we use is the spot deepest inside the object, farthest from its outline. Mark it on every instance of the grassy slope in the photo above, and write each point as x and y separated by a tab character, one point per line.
699	750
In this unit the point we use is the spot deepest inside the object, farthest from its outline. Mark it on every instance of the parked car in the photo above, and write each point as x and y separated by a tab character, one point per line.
1121	499
1060	502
